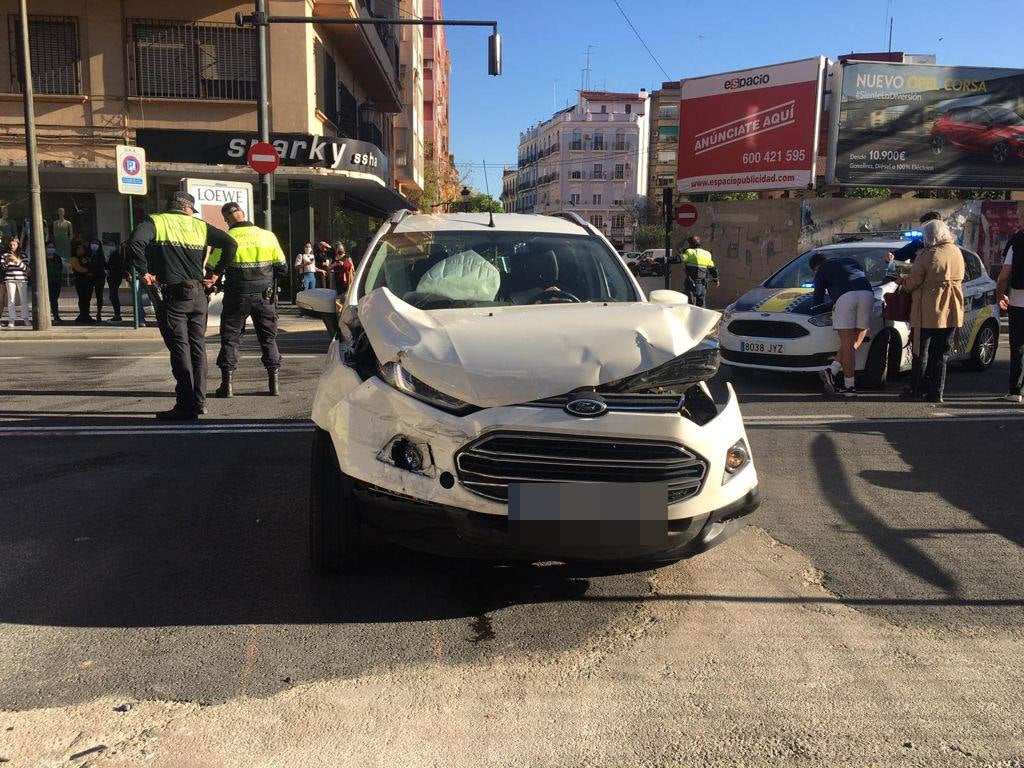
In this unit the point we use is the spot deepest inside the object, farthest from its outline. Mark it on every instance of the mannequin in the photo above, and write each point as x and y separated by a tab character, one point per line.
63	232
8	228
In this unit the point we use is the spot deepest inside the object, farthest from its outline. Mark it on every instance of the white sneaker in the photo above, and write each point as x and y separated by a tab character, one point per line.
829	382
1018	399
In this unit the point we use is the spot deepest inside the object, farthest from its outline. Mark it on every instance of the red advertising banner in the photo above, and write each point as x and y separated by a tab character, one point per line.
751	130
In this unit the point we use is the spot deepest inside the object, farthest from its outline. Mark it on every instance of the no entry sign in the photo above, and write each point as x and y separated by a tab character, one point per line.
263	158
686	215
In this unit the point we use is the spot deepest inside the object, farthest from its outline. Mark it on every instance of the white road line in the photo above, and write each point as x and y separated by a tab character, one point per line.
149	431
11	358
159	425
934	418
802	417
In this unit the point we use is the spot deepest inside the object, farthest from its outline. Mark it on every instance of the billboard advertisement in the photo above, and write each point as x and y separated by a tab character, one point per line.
752	130
920	125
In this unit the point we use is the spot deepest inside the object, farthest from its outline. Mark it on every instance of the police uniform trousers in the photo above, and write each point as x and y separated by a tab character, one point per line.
182	318
699	293
238	307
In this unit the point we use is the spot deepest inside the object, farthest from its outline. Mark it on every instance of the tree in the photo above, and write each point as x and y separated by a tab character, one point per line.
650	236
481	203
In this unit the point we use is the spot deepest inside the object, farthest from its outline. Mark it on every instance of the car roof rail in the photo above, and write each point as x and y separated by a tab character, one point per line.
398	217
574	217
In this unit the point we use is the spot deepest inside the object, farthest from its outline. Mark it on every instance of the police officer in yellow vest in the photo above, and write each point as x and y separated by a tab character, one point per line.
168	251
700	267
248	292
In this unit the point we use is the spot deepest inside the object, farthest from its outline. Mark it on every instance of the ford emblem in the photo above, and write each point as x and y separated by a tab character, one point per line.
588	407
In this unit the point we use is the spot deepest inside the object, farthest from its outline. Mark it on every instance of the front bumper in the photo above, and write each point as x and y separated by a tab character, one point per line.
454	532
363	417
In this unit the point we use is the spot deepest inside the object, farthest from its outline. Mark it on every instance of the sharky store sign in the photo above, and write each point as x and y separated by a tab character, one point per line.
296	150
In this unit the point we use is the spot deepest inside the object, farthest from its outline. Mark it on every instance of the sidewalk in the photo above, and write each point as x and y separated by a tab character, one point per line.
290	321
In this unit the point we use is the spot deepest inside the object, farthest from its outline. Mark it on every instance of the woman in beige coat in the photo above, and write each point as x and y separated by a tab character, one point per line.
935	284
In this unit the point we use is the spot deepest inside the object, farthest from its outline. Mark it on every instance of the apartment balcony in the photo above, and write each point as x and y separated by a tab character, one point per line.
371	51
547	179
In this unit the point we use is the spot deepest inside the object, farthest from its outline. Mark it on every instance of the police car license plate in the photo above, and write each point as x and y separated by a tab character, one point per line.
763	347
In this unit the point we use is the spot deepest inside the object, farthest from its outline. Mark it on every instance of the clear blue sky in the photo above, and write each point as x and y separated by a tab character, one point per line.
545	43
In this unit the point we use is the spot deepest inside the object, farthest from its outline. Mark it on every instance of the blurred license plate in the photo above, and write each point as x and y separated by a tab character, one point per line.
764	347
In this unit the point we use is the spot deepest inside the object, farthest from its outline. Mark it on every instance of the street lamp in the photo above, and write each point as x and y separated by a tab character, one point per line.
466	194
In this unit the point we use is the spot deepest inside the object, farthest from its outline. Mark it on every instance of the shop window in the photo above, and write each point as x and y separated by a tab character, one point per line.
56	58
185	60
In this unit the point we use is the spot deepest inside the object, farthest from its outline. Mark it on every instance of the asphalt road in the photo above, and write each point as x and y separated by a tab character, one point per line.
875	603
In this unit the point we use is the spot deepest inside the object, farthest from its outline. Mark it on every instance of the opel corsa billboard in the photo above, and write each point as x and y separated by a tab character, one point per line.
750	130
926	125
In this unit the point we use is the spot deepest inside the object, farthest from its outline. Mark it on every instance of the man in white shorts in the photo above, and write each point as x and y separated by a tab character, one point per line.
848	288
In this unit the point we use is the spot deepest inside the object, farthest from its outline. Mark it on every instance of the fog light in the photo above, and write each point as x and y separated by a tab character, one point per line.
736	458
405	455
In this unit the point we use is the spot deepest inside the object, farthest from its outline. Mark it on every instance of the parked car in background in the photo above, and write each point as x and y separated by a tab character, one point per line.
492	379
632	260
994	131
778	327
652	262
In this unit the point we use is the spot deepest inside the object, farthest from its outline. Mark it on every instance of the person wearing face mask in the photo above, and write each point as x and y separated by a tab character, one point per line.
98	270
16	273
342	269
305	265
81	265
54	275
115	276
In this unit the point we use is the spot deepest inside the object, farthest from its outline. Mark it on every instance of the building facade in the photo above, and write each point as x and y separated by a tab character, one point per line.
437	67
664	141
180	81
409	124
591	159
509	177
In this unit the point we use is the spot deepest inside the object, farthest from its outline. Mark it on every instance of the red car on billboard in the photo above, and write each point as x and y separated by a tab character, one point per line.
994	131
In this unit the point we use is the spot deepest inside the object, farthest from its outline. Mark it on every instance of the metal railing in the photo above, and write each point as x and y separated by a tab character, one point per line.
56	57
186	60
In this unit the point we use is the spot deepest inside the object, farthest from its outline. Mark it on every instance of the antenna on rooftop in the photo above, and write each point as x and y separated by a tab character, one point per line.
585	75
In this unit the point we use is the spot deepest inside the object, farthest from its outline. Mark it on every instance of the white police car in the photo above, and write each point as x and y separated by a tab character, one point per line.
778	327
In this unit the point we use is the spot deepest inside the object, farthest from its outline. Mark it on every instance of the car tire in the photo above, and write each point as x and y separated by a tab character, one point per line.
938	145
1001	152
983	353
876	370
334	519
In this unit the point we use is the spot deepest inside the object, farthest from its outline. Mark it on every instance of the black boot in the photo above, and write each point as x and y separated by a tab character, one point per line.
273	383
225	390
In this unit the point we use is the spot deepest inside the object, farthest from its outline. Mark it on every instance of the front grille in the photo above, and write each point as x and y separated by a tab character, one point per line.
633	403
487	465
767	329
819	360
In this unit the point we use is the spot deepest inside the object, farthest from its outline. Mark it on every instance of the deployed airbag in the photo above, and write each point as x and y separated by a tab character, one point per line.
465	276
494	356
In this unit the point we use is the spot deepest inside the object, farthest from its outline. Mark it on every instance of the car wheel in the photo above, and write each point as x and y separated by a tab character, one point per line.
983	353
1001	152
334	519
876	370
938	144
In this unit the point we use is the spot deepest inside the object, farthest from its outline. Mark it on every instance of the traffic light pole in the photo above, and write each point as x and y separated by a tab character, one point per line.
669	216
40	284
260	21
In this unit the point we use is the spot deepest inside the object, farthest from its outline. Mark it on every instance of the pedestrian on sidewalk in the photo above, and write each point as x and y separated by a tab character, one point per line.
842	278
341	268
168	251
252	276
98	269
935	285
16	273
1010	290
54	279
85	285
115	276
305	265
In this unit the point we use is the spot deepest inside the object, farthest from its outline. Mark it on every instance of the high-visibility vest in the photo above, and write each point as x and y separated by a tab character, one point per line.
257	255
698	257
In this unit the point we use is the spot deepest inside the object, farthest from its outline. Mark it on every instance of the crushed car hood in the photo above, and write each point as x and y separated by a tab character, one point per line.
491	356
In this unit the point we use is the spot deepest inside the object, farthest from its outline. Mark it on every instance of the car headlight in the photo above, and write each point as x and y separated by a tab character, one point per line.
736	458
728	312
399	378
677	375
822	321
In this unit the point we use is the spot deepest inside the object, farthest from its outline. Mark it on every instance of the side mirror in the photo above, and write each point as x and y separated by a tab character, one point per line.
321	303
665	296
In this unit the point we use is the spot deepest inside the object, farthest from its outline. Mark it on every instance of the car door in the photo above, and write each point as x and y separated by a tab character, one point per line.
977	296
975	128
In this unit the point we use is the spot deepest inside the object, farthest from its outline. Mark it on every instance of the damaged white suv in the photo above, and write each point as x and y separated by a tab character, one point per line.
501	388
